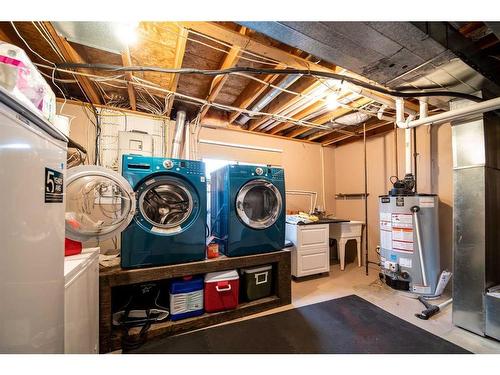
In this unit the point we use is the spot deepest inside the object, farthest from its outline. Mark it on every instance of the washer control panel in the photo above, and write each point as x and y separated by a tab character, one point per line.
168	164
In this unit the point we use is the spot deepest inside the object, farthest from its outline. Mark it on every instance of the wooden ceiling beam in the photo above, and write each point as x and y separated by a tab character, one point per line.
285	58
337	139
70	55
221	122
248	44
282	102
299	116
218	82
327	117
180	50
3	35
127	61
251	92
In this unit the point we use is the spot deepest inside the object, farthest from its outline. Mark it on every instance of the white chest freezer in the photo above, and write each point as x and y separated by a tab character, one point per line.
81	302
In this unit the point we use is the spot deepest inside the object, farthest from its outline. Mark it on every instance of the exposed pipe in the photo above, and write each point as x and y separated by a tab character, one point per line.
187	141
295	108
366	198
370	95
400	119
415	210
441	118
179	131
287	82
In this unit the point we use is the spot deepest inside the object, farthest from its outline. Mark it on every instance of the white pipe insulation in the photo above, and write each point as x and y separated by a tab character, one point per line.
441	118
178	134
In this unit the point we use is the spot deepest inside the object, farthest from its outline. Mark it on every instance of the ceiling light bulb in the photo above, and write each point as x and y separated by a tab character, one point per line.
127	32
331	101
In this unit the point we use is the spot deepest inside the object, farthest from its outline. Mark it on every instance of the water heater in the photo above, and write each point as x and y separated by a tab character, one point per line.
409	240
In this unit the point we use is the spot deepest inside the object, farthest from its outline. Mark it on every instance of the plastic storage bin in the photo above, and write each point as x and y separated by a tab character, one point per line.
256	282
186	297
221	290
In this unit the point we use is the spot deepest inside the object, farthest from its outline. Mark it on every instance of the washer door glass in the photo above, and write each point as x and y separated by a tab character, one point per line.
100	203
166	203
258	204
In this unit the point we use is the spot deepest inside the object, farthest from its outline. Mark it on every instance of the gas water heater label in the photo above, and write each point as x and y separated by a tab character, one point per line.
53	186
402	233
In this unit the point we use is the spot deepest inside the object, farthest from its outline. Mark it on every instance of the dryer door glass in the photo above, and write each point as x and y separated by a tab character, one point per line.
166	203
258	204
100	203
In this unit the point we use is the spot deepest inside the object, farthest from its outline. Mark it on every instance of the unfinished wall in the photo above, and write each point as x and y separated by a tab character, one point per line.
303	162
434	176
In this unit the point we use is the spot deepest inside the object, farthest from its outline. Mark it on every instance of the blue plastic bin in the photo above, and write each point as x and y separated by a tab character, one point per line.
186	297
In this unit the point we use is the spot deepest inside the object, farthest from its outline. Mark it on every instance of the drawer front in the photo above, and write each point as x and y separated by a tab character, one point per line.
313	261
313	236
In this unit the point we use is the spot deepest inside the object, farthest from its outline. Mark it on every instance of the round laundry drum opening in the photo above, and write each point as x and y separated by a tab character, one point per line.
97	206
259	204
166	203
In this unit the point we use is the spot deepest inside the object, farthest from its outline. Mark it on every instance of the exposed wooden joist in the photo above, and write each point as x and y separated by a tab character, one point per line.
359	133
247	43
71	55
217	122
304	113
282	102
218	82
127	61
180	50
287	59
4	37
251	92
329	116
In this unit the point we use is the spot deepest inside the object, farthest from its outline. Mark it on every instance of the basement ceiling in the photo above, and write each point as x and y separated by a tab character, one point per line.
394	54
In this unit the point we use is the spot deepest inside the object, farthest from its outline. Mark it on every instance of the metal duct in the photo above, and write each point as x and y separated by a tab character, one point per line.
476	208
289	80
351	119
178	134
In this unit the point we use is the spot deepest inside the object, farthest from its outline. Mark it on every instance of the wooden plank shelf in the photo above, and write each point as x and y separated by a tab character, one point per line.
110	278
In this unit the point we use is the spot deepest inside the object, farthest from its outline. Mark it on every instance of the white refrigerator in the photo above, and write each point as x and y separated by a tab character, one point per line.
32	202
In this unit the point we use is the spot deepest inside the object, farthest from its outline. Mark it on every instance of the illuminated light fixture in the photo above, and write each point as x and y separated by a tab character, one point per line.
127	32
331	101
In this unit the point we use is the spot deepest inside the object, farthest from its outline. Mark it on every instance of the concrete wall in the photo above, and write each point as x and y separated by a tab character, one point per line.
434	176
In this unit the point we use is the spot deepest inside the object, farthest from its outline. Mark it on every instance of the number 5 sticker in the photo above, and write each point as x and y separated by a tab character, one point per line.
53	186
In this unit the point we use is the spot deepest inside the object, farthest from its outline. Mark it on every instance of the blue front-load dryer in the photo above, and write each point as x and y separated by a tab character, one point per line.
248	209
169	224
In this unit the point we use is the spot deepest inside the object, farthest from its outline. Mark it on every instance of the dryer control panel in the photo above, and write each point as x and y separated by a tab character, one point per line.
249	171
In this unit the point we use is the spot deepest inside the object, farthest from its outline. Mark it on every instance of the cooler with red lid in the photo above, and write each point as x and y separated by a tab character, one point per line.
221	290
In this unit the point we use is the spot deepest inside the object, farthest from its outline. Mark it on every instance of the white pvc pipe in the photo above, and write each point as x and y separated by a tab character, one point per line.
400	119
187	141
441	118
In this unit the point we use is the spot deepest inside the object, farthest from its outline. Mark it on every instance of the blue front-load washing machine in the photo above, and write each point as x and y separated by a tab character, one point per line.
248	209
169	225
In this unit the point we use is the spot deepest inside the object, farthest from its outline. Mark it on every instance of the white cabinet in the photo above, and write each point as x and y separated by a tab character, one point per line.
311	251
81	302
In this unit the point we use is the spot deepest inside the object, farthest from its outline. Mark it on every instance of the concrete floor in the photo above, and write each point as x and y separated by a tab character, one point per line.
354	281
